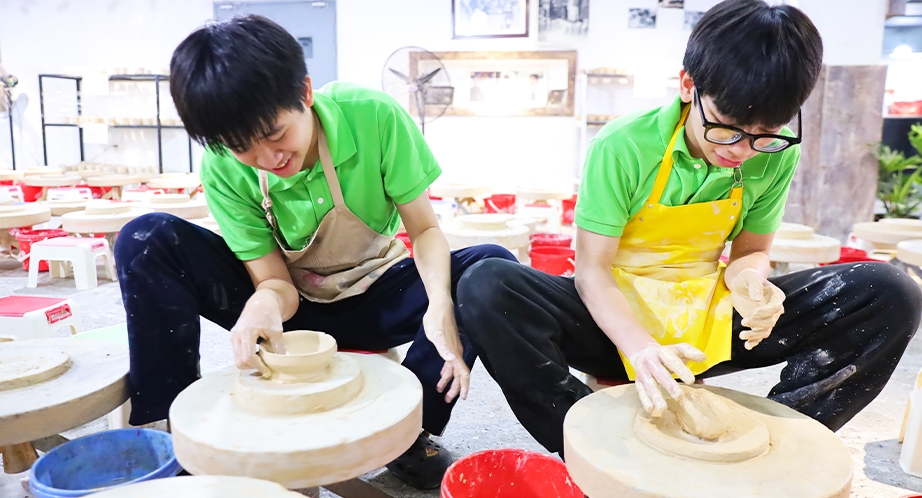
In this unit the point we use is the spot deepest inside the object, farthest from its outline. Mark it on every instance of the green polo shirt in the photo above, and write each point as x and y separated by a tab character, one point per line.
624	158
379	154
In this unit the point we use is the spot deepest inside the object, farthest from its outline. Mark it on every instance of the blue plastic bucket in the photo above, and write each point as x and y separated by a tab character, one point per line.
104	460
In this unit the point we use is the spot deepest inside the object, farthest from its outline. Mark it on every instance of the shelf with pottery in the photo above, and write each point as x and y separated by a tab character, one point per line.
48	386
715	442
321	417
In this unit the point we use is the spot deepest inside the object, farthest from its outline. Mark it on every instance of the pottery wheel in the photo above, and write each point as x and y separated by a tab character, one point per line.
888	232
23	215
43	396
201	487
610	452
101	217
216	434
178	205
794	243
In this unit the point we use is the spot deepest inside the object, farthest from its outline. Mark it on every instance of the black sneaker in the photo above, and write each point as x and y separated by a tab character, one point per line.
423	465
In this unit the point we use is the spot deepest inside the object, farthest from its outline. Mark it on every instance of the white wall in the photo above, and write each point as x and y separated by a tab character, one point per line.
49	36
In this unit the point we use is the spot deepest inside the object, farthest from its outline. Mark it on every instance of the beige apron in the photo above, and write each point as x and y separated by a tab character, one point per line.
344	256
668	268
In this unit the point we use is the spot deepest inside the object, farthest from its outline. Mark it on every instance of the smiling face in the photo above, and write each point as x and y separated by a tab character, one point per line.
283	151
725	156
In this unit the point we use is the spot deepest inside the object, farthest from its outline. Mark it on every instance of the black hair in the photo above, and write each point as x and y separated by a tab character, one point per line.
758	63
230	80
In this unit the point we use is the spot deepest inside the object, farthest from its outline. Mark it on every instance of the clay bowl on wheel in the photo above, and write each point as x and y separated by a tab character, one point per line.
307	355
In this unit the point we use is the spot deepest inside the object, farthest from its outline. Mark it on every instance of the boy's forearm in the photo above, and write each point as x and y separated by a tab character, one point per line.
611	310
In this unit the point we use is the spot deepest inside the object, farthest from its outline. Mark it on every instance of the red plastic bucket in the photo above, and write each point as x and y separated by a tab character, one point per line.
26	237
508	473
551	240
405	238
569	210
852	255
500	203
30	193
553	260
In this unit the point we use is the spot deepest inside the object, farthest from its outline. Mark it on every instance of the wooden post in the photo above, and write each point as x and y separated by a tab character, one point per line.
836	181
18	457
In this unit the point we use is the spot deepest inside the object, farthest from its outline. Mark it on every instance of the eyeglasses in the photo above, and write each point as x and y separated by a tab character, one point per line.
722	134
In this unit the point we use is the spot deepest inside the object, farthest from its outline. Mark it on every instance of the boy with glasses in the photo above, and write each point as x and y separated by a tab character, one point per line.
662	192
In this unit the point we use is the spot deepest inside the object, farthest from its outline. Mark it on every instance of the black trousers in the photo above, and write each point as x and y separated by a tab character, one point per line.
844	329
171	272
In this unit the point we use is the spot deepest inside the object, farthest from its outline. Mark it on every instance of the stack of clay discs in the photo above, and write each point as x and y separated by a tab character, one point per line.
795	243
492	228
52	385
201	487
23	215
888	232
743	446
101	217
323	417
178	205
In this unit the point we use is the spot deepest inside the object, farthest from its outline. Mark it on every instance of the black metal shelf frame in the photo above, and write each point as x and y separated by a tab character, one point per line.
156	78
9	106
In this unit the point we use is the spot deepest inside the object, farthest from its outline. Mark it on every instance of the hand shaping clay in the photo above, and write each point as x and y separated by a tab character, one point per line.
201	487
756	448
329	421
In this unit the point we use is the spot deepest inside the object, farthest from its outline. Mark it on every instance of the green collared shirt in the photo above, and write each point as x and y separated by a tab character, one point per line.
379	154
623	159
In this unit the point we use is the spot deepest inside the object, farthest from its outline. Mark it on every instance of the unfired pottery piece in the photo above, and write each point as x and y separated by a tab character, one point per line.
795	243
888	232
23	215
24	368
910	252
358	414
94	384
614	450
178	205
307	355
201	487
101	217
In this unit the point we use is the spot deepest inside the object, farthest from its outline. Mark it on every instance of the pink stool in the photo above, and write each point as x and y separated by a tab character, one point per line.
77	253
32	317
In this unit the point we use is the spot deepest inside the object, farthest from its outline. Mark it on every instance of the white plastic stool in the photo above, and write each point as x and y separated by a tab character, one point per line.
69	193
79	253
33	317
14	191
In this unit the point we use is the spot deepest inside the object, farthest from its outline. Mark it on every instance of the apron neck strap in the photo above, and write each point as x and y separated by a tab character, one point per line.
666	167
329	170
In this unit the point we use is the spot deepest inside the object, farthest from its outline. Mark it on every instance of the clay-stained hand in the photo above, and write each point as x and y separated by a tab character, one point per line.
654	365
442	331
260	318
759	302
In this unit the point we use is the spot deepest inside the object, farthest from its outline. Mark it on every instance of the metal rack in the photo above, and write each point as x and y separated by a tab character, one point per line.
9	106
156	78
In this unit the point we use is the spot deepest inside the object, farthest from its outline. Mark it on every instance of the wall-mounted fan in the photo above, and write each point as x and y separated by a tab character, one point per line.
418	80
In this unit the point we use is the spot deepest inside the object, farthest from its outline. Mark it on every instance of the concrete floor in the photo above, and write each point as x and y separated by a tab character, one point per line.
484	420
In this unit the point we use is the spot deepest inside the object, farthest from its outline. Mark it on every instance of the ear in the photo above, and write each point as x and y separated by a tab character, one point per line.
308	92
686	86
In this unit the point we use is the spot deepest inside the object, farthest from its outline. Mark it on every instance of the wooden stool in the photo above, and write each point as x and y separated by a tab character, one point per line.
77	253
33	317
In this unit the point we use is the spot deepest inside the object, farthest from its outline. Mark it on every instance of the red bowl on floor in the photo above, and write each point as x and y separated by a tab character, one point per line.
508	473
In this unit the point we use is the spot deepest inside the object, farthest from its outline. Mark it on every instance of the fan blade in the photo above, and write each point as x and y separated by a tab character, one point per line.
400	75
425	79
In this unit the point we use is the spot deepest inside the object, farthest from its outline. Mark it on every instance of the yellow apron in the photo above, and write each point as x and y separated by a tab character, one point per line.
668	267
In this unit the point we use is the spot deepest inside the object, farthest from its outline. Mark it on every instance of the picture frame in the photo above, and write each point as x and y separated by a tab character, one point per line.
519	83
489	19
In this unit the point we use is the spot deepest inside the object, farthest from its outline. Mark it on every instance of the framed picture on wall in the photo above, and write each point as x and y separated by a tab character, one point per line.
539	83
489	18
